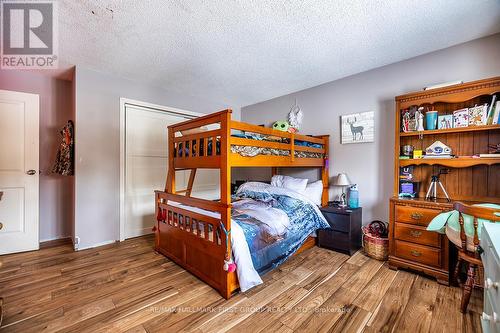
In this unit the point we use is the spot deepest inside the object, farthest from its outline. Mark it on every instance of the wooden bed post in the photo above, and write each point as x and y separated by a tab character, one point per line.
170	185
325	172
225	185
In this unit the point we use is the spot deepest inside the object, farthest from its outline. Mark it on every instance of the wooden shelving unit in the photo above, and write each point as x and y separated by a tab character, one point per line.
470	179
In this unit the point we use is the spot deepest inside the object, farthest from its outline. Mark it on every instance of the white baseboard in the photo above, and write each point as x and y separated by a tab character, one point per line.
54	238
95	245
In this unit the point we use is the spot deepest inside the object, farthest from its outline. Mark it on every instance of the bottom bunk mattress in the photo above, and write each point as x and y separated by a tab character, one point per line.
269	224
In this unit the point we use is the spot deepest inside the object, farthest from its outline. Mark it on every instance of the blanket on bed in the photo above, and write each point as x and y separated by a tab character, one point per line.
304	218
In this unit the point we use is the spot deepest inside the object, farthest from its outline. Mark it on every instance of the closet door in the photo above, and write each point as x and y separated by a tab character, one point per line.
146	163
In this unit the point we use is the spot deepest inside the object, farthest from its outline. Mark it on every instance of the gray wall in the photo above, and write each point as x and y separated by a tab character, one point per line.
371	164
97	187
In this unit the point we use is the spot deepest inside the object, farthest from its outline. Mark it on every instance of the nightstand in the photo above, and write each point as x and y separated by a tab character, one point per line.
344	234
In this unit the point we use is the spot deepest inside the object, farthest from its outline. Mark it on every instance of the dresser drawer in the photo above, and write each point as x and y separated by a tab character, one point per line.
414	215
417	253
416	234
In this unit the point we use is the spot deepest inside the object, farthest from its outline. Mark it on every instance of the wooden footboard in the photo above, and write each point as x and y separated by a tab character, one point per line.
194	241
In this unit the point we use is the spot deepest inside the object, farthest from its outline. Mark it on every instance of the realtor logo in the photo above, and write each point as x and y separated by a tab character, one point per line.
29	34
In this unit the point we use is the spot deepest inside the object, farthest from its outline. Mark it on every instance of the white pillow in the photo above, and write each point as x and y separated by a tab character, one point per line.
277	181
295	184
314	192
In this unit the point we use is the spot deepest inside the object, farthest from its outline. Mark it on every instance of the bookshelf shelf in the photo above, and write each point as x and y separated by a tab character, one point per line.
453	130
461	162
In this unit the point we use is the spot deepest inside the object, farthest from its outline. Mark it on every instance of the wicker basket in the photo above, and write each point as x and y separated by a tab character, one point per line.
375	247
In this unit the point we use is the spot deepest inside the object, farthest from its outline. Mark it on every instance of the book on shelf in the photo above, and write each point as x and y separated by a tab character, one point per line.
478	115
445	121
461	118
491	110
489	155
496	114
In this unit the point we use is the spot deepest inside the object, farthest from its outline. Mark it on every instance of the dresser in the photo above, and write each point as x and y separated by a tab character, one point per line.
344	234
411	246
490	243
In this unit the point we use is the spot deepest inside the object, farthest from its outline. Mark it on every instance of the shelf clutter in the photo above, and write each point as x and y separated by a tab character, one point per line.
458	120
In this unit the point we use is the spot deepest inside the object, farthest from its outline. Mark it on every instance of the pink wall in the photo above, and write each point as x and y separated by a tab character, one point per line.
56	108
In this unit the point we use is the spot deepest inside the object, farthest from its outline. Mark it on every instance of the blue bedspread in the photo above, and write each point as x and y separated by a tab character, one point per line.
256	136
304	219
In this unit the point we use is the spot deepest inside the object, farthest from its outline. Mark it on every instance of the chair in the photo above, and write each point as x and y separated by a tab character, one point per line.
469	250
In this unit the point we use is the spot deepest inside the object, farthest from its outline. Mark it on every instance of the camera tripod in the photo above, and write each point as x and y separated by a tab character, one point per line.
434	184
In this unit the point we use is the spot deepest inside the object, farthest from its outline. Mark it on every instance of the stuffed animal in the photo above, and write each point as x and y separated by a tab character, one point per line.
281	125
295	116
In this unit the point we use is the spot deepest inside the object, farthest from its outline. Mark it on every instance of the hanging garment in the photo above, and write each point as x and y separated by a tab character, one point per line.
64	164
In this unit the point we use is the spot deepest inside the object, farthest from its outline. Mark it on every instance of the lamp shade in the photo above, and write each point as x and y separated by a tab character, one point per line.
341	180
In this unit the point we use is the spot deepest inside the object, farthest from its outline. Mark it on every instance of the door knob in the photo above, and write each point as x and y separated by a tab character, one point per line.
31	172
1	225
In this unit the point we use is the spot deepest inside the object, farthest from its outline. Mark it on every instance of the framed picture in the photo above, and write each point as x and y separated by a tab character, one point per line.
357	127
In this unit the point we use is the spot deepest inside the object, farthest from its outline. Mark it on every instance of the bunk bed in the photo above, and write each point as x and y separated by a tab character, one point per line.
195	239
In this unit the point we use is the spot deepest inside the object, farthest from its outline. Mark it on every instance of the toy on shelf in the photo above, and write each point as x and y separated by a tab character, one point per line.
409	120
438	150
281	125
419	117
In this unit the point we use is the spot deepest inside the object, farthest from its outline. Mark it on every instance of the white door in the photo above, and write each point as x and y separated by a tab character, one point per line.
146	165
18	172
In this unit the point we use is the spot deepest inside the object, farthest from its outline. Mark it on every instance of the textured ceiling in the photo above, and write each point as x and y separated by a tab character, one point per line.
246	51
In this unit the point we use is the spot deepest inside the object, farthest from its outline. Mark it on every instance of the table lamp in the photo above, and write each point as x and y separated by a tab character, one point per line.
342	181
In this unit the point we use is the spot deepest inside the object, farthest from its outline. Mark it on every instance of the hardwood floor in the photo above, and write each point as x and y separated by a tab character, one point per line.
127	287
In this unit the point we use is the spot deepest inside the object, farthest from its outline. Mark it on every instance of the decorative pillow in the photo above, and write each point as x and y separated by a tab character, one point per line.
314	191
295	184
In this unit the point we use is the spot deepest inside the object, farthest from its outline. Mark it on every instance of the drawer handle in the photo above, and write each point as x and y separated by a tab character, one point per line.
416	215
416	253
488	283
415	233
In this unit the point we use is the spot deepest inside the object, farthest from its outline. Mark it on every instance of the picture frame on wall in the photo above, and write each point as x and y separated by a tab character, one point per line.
357	127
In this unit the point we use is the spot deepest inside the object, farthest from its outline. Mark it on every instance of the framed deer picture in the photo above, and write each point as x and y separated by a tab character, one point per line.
357	127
